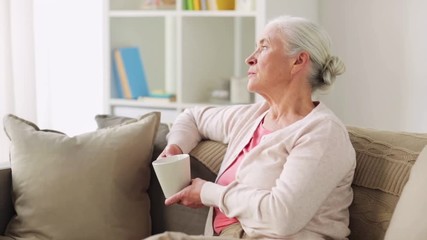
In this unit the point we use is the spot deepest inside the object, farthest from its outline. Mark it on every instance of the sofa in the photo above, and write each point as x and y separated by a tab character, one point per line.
384	163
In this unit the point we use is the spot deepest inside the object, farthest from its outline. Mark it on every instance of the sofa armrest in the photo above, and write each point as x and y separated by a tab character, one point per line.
6	205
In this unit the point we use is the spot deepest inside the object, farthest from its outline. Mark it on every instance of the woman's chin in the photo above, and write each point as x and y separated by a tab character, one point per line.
251	88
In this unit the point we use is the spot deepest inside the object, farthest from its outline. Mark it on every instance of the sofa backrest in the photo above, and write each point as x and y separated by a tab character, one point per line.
6	205
384	161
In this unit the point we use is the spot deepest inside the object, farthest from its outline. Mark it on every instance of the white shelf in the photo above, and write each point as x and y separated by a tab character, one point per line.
217	14
179	49
165	13
141	13
116	102
190	52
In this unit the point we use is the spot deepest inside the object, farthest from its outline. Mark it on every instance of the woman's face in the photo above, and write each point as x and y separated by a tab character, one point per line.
269	66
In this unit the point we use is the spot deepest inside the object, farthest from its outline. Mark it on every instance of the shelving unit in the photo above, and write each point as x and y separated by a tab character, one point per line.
189	53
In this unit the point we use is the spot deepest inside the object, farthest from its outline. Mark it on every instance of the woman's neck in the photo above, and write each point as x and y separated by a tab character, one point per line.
287	110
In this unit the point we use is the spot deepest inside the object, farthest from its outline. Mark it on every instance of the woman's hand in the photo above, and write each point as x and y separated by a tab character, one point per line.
189	196
171	150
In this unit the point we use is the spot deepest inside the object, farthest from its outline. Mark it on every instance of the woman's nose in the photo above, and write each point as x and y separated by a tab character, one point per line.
251	60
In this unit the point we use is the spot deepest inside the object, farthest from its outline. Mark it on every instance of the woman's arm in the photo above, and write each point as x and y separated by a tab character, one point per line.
214	123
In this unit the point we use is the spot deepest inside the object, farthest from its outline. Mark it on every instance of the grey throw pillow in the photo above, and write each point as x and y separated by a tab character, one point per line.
90	186
107	120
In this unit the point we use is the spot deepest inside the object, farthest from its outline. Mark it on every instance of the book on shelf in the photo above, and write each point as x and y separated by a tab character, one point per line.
158	4
220	5
196	5
130	80
129	73
189	5
225	4
117	83
204	5
212	5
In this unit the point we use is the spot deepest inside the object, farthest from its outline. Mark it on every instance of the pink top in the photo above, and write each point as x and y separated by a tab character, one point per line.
220	220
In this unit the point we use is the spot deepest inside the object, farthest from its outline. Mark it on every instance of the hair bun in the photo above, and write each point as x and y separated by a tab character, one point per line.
332	67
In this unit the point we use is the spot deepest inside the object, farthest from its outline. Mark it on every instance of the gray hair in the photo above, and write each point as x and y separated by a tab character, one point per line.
300	34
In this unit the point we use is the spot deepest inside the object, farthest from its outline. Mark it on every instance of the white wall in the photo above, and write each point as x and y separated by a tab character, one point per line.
383	45
303	8
69	63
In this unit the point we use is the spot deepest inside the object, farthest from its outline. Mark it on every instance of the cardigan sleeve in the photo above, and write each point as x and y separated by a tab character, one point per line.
214	123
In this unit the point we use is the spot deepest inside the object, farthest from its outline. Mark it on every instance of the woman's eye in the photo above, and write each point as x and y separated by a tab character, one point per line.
264	48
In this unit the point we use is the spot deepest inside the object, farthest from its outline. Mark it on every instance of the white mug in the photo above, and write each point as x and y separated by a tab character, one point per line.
173	173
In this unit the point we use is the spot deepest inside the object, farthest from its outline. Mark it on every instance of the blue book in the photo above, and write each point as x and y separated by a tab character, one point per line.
119	92
129	69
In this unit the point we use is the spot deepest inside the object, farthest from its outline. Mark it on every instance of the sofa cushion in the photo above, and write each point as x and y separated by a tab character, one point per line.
90	186
409	220
384	161
6	238
6	205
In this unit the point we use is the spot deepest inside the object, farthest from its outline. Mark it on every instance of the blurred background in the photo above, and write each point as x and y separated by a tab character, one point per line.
53	61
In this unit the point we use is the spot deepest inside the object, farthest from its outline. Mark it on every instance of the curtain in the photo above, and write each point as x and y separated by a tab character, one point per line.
17	67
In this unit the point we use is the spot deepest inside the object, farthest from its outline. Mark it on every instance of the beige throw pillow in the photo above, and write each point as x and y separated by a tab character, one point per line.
409	220
90	186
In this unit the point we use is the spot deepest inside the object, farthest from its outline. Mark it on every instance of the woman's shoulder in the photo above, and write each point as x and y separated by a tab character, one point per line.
323	119
252	109
323	113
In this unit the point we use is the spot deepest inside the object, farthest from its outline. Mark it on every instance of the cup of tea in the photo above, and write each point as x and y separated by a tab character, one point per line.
173	173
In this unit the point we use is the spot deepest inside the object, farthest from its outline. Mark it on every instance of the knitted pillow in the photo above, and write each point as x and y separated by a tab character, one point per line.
384	161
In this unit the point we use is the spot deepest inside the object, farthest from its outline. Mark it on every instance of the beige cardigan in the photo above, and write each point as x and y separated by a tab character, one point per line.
296	184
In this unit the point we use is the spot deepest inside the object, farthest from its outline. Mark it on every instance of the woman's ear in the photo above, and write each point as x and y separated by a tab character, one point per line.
301	61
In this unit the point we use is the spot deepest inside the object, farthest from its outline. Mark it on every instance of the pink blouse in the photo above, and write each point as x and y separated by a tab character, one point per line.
220	220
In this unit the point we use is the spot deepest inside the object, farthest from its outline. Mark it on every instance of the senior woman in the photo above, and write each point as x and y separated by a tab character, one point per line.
289	165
